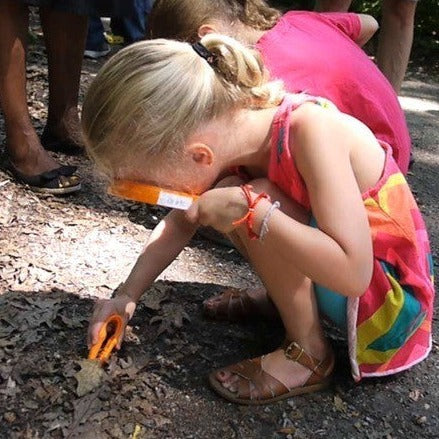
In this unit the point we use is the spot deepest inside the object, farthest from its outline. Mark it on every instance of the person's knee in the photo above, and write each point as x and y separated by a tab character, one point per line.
231	180
287	205
259	185
264	185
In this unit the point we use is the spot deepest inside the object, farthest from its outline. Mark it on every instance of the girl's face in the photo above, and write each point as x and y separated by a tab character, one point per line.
194	172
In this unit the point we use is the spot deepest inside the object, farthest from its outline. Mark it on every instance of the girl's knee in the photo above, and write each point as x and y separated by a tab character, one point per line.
287	205
265	185
231	180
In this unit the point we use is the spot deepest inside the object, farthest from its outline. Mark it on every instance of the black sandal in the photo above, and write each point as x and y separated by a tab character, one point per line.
58	181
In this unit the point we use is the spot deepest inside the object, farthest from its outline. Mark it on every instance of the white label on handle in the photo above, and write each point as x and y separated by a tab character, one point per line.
175	201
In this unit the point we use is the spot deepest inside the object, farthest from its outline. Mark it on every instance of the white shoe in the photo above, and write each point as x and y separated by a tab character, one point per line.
95	54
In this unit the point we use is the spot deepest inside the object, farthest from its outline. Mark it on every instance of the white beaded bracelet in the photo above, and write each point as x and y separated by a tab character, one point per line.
264	226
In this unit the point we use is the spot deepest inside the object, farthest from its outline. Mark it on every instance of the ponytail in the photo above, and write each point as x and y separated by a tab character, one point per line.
241	72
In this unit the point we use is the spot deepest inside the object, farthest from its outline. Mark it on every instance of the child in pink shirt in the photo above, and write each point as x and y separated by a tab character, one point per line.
314	53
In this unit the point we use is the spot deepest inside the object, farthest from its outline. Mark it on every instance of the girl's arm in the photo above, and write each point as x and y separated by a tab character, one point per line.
338	254
358	27
165	243
368	28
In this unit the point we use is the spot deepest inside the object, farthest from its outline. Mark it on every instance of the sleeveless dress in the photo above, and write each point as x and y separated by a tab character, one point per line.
389	326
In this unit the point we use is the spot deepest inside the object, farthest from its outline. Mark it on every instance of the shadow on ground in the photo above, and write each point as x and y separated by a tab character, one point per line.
157	383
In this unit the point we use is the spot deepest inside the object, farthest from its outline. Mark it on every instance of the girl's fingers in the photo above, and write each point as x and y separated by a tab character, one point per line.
103	309
94	332
95	324
119	342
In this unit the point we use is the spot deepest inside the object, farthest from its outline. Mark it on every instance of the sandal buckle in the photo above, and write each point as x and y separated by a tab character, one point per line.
289	349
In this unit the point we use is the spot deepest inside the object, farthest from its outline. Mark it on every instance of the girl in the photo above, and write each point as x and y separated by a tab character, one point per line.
183	117
315	53
311	52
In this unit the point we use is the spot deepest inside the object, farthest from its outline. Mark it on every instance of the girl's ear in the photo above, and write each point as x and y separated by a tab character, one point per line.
201	154
205	29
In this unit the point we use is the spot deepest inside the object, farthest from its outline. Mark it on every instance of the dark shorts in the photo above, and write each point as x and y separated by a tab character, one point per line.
108	8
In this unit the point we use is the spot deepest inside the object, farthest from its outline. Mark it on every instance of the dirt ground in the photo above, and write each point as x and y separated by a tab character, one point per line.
58	254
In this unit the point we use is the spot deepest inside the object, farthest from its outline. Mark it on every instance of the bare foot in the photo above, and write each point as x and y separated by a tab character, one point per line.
239	305
27	155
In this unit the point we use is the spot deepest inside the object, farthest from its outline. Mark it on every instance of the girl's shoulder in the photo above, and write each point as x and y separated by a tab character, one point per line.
317	128
318	118
309	119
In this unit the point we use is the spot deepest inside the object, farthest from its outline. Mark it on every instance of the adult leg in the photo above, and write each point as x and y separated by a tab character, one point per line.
24	148
132	26
395	39
96	46
293	296
332	5
65	60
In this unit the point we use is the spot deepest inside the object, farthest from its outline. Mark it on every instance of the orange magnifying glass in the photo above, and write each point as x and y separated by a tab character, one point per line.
145	193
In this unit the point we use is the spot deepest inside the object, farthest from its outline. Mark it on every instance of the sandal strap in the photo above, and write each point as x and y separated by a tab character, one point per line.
62	171
319	368
253	376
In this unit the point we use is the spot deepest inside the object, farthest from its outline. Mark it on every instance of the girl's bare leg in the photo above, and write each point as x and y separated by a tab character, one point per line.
261	304
293	296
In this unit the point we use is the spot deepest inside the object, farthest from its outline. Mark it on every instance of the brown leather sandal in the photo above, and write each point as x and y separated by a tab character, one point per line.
233	305
269	389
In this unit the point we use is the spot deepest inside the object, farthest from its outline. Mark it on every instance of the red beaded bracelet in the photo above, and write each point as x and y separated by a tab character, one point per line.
249	216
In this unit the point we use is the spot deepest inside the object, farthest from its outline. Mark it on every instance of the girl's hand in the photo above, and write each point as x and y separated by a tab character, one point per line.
122	305
219	208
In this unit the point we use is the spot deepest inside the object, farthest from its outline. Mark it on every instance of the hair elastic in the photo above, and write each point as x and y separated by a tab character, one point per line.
264	226
204	52
249	216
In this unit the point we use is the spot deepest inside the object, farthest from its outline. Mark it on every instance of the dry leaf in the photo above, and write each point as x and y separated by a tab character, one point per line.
72	323
173	316
414	395
339	404
155	296
289	430
160	421
89	377
137	432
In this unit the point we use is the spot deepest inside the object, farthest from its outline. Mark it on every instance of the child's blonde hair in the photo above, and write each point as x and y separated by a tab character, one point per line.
181	19
148	98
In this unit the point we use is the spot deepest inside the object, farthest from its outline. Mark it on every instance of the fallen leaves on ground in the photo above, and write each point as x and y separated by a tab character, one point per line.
89	377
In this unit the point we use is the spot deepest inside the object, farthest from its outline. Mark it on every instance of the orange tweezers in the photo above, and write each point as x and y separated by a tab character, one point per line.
107	339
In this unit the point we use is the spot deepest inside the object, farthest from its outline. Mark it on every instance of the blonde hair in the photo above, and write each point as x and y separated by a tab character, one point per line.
181	19
148	98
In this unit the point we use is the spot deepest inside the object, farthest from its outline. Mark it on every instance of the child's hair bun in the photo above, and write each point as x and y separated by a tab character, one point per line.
242	67
238	65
